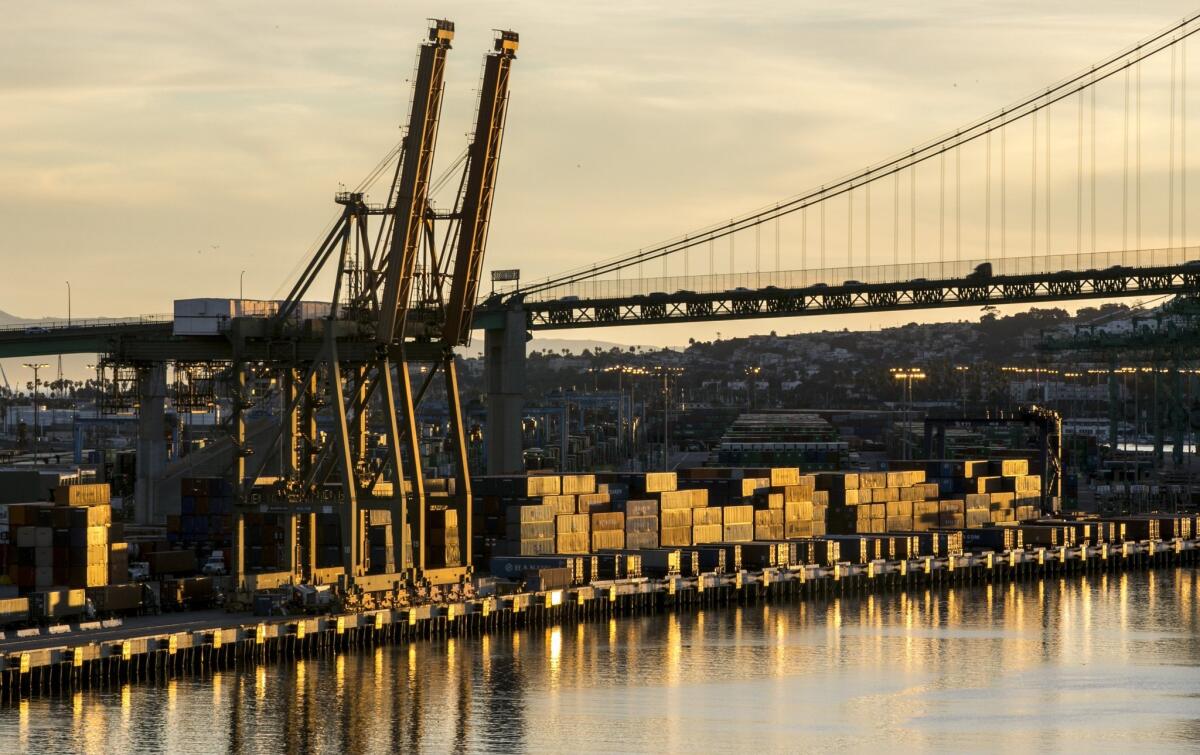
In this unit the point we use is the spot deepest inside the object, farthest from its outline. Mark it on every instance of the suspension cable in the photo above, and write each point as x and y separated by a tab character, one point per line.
1029	106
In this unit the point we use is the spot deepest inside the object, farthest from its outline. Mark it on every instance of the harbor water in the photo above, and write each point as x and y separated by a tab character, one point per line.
1106	661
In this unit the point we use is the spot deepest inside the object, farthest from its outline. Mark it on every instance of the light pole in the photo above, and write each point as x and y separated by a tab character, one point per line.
962	370
752	374
68	303
241	285
35	366
908	375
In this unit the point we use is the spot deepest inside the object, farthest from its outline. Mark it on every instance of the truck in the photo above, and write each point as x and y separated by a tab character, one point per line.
215	565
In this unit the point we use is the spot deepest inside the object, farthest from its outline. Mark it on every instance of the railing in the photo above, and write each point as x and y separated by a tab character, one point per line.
898	273
48	326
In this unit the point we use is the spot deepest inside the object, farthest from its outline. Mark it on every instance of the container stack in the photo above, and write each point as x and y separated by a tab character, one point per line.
443	547
641	524
608	530
572	533
205	514
529	531
738	524
64	544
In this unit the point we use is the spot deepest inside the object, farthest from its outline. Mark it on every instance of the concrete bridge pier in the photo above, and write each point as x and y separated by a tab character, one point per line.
151	443
505	335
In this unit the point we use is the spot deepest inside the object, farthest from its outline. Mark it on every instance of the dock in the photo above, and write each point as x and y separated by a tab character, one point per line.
103	655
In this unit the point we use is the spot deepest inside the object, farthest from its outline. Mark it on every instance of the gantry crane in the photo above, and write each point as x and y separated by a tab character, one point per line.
404	287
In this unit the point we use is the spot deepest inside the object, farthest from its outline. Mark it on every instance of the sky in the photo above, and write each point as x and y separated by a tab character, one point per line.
151	151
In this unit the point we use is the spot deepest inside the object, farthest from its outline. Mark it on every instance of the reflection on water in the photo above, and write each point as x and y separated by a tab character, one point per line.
1105	661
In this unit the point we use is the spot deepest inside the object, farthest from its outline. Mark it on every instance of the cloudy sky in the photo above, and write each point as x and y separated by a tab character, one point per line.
152	151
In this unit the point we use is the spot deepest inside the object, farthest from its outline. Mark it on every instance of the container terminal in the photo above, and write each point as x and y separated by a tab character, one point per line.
321	513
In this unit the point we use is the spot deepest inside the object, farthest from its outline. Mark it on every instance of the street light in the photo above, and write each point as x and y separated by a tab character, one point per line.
35	366
962	370
242	286
908	375
752	374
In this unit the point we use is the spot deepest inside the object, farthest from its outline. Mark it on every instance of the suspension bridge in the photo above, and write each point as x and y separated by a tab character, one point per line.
1080	190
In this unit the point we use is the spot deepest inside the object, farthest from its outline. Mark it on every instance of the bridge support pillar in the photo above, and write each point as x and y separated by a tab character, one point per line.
151	443
504	369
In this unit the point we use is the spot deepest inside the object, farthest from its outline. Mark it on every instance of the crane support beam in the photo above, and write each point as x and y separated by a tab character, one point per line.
412	191
482	163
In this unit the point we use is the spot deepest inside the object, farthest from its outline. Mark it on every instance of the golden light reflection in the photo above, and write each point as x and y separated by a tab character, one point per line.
23	724
674	648
1123	601
260	682
126	702
339	677
485	655
412	664
77	704
217	679
554	653
172	692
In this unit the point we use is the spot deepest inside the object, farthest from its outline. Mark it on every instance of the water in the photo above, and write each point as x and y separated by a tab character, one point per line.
1103	662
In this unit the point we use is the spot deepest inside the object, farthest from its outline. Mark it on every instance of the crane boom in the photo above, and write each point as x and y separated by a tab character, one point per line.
483	161
412	193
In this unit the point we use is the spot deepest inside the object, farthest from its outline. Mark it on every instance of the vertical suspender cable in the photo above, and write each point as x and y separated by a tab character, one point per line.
850	227
821	252
1137	175
942	206
777	223
1125	171
896	218
1049	192
757	255
957	202
712	262
987	199
731	237
1183	166
912	203
1003	188
1079	180
1092	193
1171	161
1033	185
804	238
867	227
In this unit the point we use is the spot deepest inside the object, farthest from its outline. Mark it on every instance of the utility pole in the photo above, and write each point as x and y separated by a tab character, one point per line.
35	366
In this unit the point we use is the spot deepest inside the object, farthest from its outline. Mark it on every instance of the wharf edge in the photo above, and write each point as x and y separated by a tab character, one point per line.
154	657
